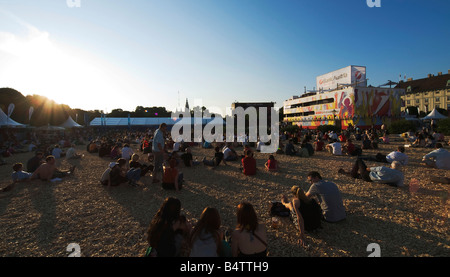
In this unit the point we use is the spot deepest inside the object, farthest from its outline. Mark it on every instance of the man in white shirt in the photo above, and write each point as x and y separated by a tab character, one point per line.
335	148
439	158
398	155
127	152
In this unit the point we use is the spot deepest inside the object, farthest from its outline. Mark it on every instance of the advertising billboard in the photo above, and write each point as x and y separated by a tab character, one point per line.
346	75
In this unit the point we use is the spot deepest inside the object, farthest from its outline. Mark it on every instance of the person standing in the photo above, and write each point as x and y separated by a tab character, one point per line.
158	150
329	197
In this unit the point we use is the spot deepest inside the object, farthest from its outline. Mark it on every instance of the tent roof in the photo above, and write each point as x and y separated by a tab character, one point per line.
434	115
146	121
8	122
70	123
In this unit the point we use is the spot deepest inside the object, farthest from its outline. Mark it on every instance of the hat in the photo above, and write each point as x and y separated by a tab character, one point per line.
112	164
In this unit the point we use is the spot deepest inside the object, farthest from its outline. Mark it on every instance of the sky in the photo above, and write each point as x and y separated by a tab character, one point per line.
116	54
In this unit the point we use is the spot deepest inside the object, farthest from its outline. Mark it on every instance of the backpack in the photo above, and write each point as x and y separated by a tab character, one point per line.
278	209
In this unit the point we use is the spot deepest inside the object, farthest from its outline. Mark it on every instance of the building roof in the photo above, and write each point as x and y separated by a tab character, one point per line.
426	84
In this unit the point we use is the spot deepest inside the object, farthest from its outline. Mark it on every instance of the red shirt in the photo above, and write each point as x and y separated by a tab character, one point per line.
272	164
249	164
319	145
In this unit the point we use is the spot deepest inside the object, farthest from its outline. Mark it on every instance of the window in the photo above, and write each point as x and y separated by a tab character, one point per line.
437	92
437	99
408	89
408	102
426	100
448	98
448	83
417	101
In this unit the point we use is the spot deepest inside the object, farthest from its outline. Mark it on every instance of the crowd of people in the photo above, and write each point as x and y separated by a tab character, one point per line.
163	158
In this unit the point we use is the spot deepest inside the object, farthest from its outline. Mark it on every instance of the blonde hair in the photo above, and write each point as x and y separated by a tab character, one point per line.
298	192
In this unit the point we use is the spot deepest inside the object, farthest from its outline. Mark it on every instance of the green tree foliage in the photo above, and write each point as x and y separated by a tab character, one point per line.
401	126
444	126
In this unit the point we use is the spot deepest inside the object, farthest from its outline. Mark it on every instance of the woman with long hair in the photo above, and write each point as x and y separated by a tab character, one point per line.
163	228
249	239
206	237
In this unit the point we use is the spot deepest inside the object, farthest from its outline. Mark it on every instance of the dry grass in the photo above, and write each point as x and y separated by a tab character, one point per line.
42	218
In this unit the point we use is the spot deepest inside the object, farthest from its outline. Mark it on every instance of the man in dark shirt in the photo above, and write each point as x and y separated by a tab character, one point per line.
218	158
187	158
35	162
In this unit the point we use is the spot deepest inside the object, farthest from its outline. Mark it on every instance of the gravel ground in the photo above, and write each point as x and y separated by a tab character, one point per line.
40	219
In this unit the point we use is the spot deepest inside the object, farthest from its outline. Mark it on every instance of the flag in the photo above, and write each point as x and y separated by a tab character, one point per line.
30	112
10	109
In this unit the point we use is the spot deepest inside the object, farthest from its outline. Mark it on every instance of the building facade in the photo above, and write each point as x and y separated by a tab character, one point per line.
344	103
427	93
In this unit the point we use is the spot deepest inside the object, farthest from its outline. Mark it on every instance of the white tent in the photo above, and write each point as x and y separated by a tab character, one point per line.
8	122
70	123
434	115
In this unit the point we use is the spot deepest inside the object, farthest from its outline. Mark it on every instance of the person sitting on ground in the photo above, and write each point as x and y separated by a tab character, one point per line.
134	163
118	172
419	141
229	154
392	176
438	158
218	158
19	175
188	159
334	148
350	149
162	232
329	197
105	180
115	153
35	162
319	144
249	164
92	147
207	238
430	142
48	171
310	215
72	154
303	152
398	155
127	152
271	164
289	149
296	217
172	179
243	242
57	152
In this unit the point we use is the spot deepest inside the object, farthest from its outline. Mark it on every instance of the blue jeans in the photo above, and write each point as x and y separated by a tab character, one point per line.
134	174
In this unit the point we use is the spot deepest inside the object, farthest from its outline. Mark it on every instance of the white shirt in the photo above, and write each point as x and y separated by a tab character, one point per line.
441	156
397	156
337	148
